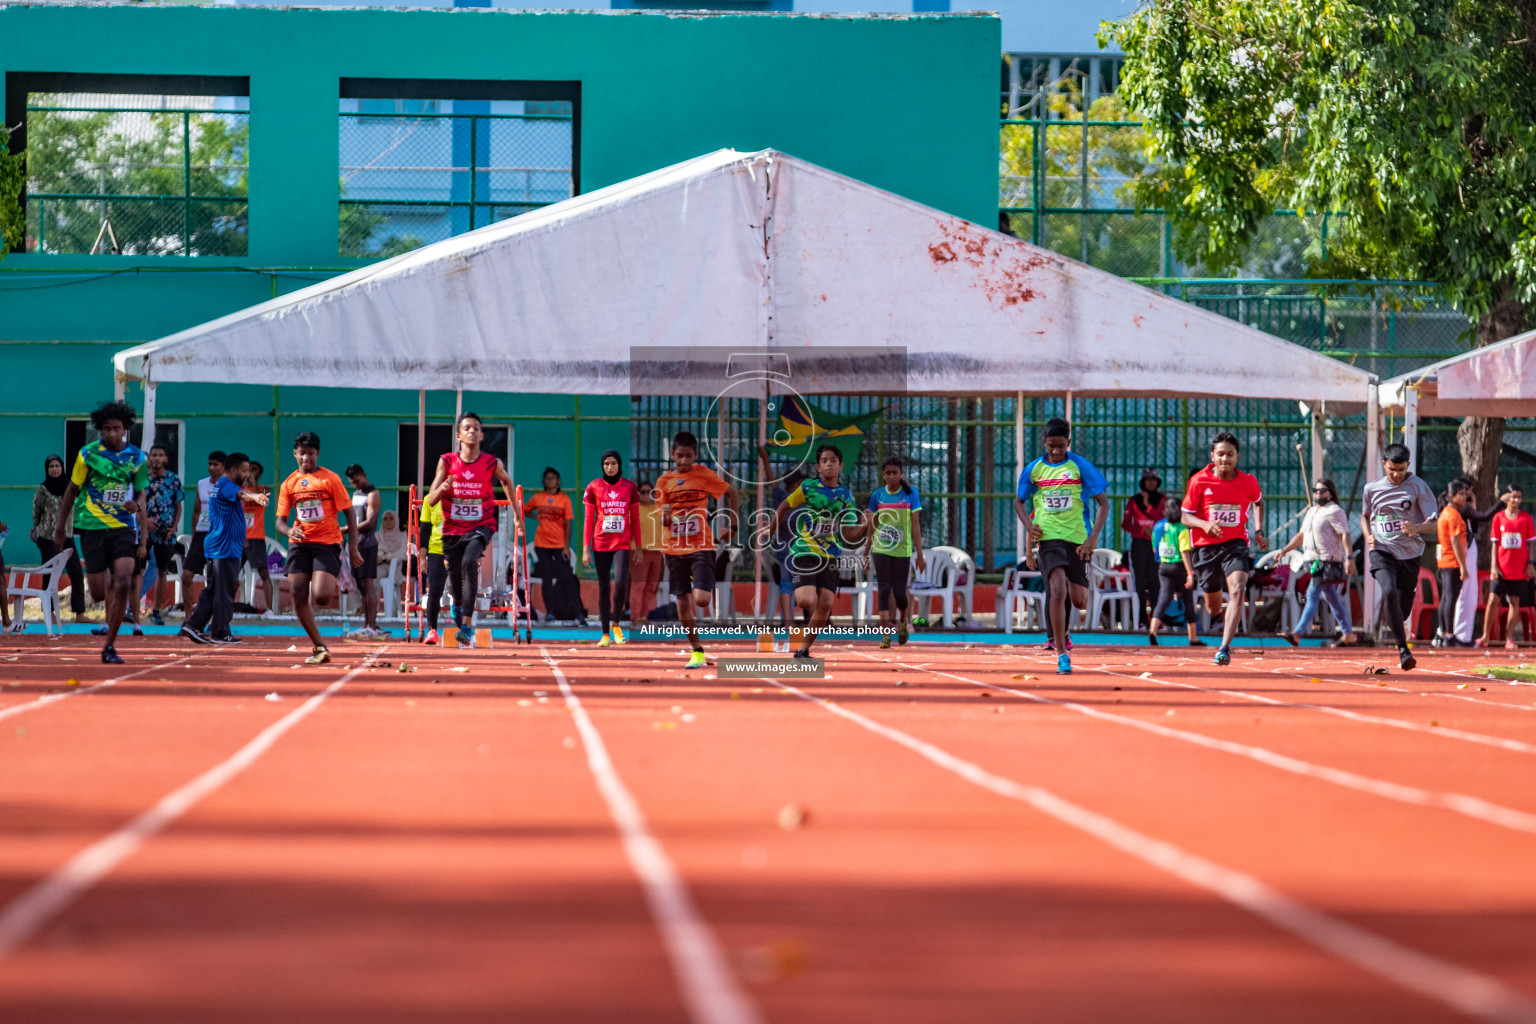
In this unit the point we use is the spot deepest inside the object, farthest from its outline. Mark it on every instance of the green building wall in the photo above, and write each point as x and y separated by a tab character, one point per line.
907	103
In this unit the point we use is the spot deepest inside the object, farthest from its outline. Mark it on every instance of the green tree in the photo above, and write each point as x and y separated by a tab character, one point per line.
13	176
1415	118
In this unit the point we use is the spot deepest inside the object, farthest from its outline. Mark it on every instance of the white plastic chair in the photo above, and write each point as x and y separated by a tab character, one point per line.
965	581
1013	595
391	581
935	583
863	592
45	589
1111	590
725	594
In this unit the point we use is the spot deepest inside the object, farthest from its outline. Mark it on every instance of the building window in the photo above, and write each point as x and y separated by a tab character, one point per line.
122	170
1031	79
418	170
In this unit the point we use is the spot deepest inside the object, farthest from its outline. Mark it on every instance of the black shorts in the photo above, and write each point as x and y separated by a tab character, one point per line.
308	559
1061	554
1516	592
695	571
826	577
1405	572
368	547
161	553
1215	562
256	556
195	560
103	547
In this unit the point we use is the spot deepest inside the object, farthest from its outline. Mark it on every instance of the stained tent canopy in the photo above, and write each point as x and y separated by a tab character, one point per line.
1495	380
742	250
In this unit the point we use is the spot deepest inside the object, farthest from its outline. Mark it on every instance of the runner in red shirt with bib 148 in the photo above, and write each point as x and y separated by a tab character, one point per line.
465	478
1511	572
611	527
1216	507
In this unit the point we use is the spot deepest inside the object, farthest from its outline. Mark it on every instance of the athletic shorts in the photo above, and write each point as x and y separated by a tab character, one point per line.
1405	572
368	547
1061	554
694	571
818	573
1215	562
195	560
103	547
1515	592
308	559
256	555
161	553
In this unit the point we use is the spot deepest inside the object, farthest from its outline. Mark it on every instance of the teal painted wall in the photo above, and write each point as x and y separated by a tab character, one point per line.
907	103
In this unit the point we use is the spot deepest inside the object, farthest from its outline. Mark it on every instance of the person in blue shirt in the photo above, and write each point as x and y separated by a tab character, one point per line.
1052	505
829	518
224	548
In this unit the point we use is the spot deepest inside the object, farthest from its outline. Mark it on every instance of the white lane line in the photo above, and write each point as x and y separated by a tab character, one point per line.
708	987
1500	742
1412	693
54	698
21	919
1475	994
1460	803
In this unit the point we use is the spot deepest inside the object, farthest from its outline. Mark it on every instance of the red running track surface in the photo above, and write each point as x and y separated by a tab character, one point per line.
1151	839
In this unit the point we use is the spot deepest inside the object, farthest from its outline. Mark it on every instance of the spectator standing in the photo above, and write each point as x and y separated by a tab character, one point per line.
1453	563
1142	512
193	563
552	540
1324	543
163	499
645	573
47	506
1511	533
366	503
256	534
224	550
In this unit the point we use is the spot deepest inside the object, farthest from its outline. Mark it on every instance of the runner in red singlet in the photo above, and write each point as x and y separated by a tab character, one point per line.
464	483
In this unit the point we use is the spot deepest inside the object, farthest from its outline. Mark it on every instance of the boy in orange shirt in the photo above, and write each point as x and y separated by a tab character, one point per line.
552	540
314	496
1452	562
683	494
256	534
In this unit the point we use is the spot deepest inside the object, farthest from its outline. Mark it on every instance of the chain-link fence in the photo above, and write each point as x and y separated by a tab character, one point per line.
411	179
105	176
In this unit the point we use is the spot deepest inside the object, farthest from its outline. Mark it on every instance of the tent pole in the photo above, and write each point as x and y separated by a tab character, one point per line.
421	441
277	450
149	415
1317	442
1372	471
758	612
1411	426
119	388
1068	417
458	405
1018	471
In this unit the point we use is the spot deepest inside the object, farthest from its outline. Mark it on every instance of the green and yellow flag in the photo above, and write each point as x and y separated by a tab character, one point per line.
802	427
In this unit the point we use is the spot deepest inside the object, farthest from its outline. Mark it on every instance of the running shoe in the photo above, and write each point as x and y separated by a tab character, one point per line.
1050	645
1510	645
696	660
138	630
197	636
18	625
360	633
109	656
431	639
156	618
99	631
1223	656
617	634
1290	638
804	652
466	638
225	641
269	614
1480	642
1405	658
901	632
320	657
885	643
1152	640
605	641
1064	665
1198	643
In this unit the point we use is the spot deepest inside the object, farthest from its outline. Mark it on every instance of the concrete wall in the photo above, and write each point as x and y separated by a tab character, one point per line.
906	103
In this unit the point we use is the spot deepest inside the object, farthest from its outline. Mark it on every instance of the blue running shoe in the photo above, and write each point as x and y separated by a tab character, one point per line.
466	638
1064	665
1223	656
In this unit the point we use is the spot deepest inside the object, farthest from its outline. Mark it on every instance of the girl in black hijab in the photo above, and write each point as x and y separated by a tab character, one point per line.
47	506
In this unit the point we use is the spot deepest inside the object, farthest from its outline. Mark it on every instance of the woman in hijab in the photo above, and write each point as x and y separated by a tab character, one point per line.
47	502
611	507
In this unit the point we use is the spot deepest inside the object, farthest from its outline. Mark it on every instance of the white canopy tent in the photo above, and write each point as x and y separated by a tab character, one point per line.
1496	380
731	251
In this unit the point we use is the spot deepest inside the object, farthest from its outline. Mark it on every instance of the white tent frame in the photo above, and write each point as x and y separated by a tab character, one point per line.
1094	348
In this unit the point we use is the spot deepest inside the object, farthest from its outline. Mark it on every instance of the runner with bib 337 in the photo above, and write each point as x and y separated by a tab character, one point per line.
1217	505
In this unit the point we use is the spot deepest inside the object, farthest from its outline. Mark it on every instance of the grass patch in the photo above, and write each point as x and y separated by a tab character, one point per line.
1520	673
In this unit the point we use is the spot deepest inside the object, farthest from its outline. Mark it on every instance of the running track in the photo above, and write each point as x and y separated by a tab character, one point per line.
593	835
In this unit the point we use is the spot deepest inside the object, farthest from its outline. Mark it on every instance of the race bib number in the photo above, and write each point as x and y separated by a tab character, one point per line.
614	524
1056	502
1386	526
122	495
465	510
1226	515
687	526
250	521
1512	540
202	522
1168	550
310	511
821	527
890	536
